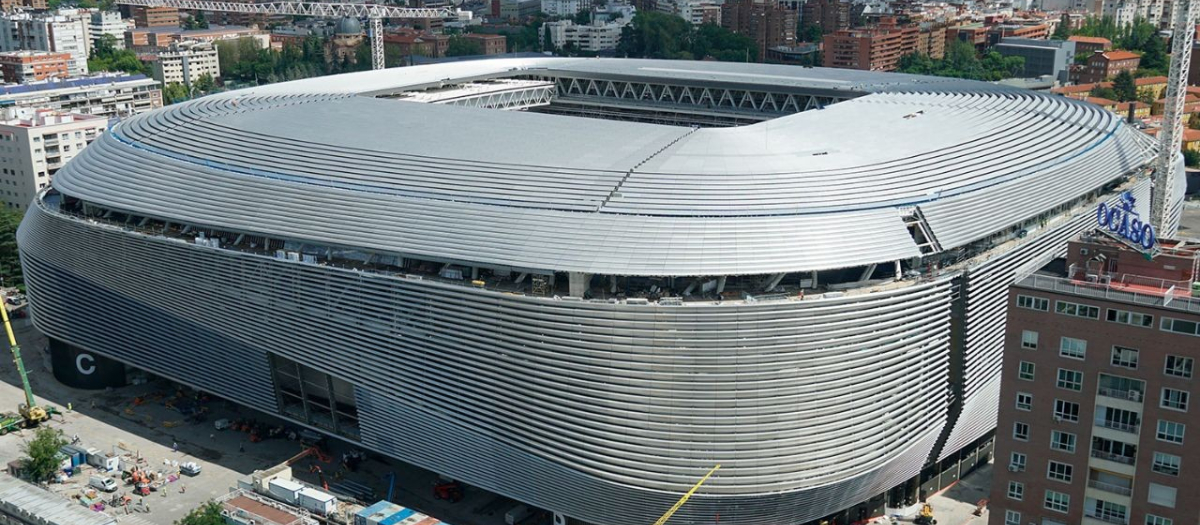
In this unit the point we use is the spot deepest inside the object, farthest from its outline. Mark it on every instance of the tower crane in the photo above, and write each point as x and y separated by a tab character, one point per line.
374	13
1183	33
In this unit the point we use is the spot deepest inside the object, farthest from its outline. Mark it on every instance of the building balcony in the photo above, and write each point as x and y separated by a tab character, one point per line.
1116	393
1107	517
1115	425
1127	460
1109	487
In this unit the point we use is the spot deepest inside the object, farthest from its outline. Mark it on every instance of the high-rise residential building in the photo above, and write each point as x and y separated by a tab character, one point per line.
877	48
20	67
65	31
108	23
109	95
593	37
831	15
766	21
34	144
185	63
1099	366
1090	44
931	41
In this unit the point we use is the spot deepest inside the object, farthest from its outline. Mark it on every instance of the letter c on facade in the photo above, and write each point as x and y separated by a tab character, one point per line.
87	369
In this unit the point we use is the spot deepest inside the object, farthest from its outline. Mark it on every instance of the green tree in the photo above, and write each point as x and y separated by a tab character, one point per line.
460	46
1146	96
811	33
1062	31
582	18
961	61
1191	158
10	264
659	35
1125	87
174	93
208	513
204	85
107	57
1104	92
42	459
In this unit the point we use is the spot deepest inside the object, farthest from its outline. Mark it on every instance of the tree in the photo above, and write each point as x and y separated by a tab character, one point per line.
42	459
204	84
1146	96
107	57
962	62
1191	158
10	264
810	33
1104	92
1125	87
1062	31
174	93
659	35
207	514
461	46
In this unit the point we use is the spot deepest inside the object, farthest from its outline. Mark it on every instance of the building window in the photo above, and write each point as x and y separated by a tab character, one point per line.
1156	520
1016	462
1057	501
1106	511
1029	339
1076	310
1179	366
1020	431
1026	371
1059	471
1066	411
1133	318
1124	357
1016	490
1070	379
1012	517
1072	348
1174	399
1024	401
1166	464
1064	441
1180	326
1162	495
1170	431
1033	303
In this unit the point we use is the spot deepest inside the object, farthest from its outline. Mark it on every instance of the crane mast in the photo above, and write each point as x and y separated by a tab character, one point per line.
1183	34
374	13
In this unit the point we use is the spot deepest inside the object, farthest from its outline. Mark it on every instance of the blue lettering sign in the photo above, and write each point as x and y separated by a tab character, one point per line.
1124	220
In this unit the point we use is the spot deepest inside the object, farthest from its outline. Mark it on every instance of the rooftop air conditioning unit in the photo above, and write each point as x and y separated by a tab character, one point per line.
1014	468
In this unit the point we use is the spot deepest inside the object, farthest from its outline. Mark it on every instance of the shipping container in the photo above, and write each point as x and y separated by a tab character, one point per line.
284	490
321	503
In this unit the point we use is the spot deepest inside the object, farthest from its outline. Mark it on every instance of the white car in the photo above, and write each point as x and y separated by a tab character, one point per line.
221	424
190	468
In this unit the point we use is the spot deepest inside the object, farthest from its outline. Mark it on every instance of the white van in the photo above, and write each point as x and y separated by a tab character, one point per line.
104	483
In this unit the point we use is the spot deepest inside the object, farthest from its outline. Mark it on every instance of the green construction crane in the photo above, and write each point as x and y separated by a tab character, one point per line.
32	414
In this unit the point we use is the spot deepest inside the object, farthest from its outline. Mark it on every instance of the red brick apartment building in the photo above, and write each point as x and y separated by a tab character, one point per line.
876	48
766	21
1096	424
153	16
1090	44
1105	65
29	66
490	44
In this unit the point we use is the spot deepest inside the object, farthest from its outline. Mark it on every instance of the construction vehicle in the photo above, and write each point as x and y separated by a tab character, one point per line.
374	13
925	517
32	415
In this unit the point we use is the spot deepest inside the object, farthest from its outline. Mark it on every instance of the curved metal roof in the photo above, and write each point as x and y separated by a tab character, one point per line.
820	189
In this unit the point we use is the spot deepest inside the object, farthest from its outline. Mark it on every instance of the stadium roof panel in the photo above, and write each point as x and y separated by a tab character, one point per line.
816	190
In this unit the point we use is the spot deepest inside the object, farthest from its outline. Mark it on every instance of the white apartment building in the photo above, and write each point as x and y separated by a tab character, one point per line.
595	37
108	23
1125	12
64	31
34	144
186	62
565	8
108	95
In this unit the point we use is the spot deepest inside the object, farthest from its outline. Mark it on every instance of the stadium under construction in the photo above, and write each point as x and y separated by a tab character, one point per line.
581	283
